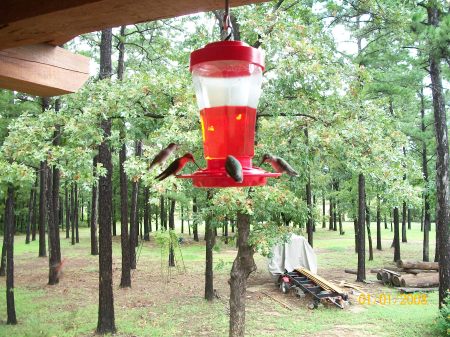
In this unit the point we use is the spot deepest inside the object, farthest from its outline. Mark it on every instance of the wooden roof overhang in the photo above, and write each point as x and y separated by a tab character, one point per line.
31	31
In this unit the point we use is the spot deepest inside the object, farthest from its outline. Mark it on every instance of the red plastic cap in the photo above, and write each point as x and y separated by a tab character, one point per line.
227	50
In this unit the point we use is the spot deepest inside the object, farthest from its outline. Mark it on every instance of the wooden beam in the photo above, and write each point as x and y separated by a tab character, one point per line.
24	22
42	70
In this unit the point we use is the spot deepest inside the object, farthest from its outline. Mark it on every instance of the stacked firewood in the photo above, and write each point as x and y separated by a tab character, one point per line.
412	274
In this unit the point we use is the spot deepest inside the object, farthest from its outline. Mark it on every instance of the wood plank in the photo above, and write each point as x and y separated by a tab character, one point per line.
42	70
24	22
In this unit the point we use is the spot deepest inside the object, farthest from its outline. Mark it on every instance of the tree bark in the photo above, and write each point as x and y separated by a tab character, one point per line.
195	221
210	241
396	242
243	266
324	222
404	214
125	280
93	212
33	216
67	206
172	227
54	260
106	320
42	184
378	224
3	258
134	229
147	215
442	157
31	203
426	219
75	214
309	222
9	239
361	276
355	226
369	233
72	212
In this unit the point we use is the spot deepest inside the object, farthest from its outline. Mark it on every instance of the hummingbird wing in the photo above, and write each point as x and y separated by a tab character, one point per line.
234	169
173	168
286	167
159	158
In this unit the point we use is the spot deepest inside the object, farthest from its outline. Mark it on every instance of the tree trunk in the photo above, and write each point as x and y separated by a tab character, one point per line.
162	212
134	229
404	222
172	227
72	212
378	224
426	218
361	276
369	233
243	266
67	209
210	241
195	221
147	215
330	220
355	226
30	211
3	258
324	222
442	158
75	214
42	184
34	213
125	280
182	218
106	320
396	242
9	239
309	222
54	260
93	213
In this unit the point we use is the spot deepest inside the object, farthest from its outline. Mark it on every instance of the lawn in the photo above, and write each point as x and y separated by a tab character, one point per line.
165	302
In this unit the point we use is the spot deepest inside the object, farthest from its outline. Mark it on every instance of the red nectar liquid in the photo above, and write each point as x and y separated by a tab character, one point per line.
228	130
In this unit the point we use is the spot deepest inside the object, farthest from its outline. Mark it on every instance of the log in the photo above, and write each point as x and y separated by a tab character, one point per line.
386	277
409	264
420	281
418	271
350	271
390	271
396	280
380	275
417	290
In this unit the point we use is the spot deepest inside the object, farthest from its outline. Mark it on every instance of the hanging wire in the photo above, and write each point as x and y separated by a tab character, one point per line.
227	29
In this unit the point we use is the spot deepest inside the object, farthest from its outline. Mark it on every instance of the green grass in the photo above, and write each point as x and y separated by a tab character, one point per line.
155	307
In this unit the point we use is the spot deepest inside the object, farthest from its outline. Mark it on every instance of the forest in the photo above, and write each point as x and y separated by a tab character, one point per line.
354	97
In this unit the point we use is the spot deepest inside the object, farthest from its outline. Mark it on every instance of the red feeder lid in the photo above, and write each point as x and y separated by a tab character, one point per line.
227	50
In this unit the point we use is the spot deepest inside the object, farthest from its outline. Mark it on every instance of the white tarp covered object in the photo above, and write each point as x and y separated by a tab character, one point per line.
295	253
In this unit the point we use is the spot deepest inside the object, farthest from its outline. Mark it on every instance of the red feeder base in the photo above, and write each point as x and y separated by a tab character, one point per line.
216	176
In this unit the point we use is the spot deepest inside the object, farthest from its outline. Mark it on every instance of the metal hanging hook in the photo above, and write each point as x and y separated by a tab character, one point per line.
227	29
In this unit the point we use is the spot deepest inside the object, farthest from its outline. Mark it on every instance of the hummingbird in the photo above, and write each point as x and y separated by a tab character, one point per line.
234	169
176	166
162	156
279	164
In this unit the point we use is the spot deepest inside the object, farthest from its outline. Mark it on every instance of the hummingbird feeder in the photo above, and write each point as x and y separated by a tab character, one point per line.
227	78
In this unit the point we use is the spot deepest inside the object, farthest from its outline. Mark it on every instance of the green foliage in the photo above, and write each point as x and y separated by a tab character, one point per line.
444	319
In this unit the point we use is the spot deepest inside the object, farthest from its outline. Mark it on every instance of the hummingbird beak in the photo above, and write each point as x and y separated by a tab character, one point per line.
196	164
262	162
